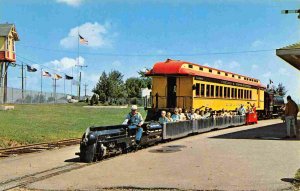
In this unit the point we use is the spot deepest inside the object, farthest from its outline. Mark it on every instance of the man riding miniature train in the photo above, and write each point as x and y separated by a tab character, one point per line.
134	120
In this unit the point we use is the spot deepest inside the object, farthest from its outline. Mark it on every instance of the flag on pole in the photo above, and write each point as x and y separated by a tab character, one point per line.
31	69
68	77
57	77
46	74
82	40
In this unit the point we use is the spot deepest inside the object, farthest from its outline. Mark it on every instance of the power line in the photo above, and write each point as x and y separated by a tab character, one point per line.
151	55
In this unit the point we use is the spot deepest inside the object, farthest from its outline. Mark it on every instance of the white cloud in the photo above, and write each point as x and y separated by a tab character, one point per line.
74	3
66	63
267	74
257	43
254	66
234	64
96	34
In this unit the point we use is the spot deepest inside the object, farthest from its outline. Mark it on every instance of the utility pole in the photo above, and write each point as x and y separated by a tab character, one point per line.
85	86
79	83
22	80
291	11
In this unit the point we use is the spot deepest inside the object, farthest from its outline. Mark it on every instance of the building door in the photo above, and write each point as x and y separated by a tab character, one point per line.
171	92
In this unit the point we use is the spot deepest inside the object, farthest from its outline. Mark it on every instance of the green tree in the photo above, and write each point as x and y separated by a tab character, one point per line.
110	87
133	87
281	90
146	81
116	85
102	87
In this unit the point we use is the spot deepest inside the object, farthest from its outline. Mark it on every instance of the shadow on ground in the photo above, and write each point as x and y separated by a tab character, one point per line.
269	132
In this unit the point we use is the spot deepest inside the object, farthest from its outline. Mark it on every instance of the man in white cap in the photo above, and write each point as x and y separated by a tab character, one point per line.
135	120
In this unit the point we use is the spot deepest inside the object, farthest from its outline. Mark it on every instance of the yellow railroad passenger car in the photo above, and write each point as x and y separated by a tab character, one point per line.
187	85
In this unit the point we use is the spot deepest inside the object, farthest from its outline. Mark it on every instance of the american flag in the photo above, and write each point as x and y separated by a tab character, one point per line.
82	40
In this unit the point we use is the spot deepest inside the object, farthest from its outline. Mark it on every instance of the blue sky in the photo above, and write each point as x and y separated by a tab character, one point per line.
133	35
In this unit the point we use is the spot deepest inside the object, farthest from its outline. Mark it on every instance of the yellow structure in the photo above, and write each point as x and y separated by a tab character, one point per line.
187	85
8	36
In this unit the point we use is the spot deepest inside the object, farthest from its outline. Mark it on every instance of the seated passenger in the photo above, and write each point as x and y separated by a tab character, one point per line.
187	115
193	115
135	121
197	114
163	119
242	110
181	114
176	116
169	117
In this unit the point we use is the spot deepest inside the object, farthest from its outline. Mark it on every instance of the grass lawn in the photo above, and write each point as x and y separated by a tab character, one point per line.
29	124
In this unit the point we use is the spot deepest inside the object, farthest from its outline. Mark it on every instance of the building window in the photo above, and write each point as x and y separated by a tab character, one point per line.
239	77
210	70
13	45
207	90
201	68
242	94
197	89
225	92
212	91
232	92
251	94
217	91
7	41
202	90
219	72
246	94
233	75
239	94
190	66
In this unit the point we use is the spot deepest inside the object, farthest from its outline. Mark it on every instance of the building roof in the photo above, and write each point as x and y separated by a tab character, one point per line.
5	29
290	54
177	67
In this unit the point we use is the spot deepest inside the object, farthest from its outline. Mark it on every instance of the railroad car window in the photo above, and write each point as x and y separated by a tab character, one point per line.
212	91
228	92
221	91
190	66
232	92
197	89
201	68
217	91
210	70
202	90
207	90
242	94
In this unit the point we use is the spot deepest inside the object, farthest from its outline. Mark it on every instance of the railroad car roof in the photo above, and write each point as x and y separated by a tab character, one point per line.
177	67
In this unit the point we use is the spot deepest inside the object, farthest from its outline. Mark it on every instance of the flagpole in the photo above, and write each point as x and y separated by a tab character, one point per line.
41	85
78	60
65	85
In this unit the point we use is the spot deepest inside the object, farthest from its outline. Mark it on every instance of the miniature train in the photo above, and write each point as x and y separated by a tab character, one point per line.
100	142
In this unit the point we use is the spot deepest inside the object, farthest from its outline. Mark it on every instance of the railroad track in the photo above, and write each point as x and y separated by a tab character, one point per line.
19	150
